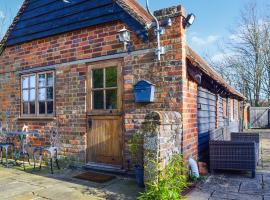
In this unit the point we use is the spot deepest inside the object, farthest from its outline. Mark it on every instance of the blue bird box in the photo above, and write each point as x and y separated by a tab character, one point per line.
144	92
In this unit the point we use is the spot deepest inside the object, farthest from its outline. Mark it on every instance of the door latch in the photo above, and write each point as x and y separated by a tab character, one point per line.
89	122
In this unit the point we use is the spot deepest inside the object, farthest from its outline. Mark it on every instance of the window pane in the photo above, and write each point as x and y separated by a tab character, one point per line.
41	80
32	95
25	82
50	107
42	94
32	108
25	108
111	99
98	100
25	95
50	93
41	107
32	81
111	77
98	78
50	79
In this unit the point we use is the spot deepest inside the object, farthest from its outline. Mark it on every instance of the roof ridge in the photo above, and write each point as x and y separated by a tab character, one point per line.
204	67
11	27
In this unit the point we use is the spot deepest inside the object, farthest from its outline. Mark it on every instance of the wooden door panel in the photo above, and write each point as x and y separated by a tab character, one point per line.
104	140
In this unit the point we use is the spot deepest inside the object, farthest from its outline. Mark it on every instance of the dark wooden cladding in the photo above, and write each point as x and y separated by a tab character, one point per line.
46	18
206	120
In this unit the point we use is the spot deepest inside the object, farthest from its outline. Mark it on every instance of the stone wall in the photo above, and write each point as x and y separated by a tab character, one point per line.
162	138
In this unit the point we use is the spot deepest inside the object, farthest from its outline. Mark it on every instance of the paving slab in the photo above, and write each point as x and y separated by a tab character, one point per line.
235	196
231	186
221	183
252	186
198	194
20	185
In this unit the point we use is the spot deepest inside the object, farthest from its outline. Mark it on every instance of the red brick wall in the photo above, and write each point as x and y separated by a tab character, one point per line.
189	112
173	90
70	79
217	110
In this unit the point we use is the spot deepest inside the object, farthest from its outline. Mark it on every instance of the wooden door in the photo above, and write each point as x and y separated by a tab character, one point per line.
104	140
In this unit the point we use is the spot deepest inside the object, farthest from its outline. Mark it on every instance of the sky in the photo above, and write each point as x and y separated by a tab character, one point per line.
214	20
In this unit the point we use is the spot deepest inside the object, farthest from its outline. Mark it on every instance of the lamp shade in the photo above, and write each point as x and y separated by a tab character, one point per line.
190	20
124	35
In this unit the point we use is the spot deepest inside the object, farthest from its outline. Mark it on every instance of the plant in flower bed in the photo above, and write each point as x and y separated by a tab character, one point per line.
195	179
137	156
169	182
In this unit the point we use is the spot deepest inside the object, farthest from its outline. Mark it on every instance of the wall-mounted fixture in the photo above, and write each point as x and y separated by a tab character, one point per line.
144	92
124	36
189	20
166	22
159	31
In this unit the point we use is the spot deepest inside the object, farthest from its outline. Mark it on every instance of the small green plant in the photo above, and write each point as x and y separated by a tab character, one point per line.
169	182
135	148
195	179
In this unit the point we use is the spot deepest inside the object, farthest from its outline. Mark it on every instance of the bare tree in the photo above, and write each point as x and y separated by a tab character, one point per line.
245	64
266	60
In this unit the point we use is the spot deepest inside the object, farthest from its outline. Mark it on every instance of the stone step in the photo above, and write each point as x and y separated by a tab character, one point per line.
108	169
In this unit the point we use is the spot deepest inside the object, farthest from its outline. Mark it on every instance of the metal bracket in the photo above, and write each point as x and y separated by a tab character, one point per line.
162	51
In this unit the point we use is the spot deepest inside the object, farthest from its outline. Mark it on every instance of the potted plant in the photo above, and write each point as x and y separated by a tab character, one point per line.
137	155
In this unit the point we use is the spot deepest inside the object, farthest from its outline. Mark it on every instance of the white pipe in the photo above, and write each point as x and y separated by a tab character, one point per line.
157	30
194	167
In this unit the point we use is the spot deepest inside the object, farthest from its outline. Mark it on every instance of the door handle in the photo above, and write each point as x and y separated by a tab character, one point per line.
90	123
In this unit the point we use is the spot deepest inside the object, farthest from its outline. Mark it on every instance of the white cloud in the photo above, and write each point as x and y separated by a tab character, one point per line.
221	56
234	37
2	15
200	41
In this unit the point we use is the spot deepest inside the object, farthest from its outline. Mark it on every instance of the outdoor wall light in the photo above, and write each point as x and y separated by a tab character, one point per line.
189	20
124	36
166	22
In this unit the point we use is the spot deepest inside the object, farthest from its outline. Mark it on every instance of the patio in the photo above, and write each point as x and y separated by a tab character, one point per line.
239	186
17	184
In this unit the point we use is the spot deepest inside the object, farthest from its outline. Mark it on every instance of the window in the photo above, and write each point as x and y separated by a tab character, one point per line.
38	94
224	108
104	88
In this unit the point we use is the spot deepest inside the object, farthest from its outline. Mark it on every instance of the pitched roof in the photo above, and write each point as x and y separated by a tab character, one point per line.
11	27
130	7
202	65
136	10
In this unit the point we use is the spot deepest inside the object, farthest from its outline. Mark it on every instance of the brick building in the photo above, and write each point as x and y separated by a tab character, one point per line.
63	64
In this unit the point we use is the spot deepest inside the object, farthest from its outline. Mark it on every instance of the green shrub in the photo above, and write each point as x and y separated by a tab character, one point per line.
135	146
169	182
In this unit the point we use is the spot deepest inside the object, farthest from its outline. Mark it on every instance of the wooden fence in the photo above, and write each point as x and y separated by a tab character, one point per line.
259	117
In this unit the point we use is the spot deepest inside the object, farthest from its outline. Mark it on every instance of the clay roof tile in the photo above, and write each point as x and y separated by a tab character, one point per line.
202	65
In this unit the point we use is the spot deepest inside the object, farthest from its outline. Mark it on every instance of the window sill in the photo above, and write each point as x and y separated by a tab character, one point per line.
36	118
